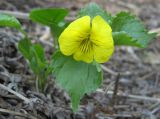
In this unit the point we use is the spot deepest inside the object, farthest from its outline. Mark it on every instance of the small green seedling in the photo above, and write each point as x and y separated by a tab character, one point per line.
80	46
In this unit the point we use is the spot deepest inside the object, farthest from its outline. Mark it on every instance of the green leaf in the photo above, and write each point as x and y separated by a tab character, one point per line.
37	62
119	38
34	54
128	30
57	29
9	21
48	16
77	78
24	47
93	10
39	51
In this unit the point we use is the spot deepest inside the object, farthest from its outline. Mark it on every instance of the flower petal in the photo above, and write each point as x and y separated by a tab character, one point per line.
101	37
70	38
86	57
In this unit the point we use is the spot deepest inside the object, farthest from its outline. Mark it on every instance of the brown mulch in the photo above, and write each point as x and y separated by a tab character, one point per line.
140	70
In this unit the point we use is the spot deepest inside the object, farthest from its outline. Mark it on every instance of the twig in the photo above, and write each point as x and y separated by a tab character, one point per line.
114	96
37	87
17	113
46	35
132	96
109	86
25	16
137	97
157	30
113	72
128	5
157	109
133	54
17	14
15	93
119	115
109	70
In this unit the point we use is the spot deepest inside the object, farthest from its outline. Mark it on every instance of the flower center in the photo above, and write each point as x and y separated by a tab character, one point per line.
86	45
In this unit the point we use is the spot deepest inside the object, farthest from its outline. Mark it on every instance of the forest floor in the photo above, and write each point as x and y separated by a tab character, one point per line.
138	95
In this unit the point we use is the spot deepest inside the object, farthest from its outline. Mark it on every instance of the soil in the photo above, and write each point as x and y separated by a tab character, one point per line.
138	83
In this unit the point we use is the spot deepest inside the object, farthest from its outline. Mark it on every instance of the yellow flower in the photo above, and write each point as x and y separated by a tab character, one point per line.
87	40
